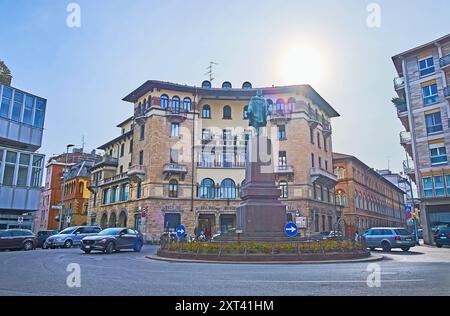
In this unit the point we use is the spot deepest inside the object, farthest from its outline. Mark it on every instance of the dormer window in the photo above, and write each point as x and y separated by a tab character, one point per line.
246	85
226	85
206	84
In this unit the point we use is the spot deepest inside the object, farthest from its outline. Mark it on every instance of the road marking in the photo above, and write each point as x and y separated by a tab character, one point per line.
323	281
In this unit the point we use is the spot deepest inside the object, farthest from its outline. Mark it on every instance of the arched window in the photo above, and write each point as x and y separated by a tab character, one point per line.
246	112
176	103
173	188
228	189
187	104
207	189
206	111
206	84
112	220
246	85
280	106
269	106
227	112
284	189
291	105
226	85
81	187
341	198
164	101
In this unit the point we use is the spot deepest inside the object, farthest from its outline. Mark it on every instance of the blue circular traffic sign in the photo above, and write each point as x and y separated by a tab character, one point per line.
181	231
291	229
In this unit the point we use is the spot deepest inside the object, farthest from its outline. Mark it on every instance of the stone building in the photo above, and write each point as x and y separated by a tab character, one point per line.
423	109
187	159
366	197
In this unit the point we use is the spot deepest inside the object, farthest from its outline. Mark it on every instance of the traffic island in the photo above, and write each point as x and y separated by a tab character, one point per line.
262	252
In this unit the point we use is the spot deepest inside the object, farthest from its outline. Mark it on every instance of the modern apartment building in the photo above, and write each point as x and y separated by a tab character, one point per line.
423	109
367	198
186	149
21	128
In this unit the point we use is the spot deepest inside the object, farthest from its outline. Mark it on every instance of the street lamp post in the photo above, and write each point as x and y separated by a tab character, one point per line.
63	187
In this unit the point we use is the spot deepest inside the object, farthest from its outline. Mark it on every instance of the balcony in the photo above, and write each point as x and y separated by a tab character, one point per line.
107	161
111	180
176	114
447	93
284	170
326	128
405	141
220	164
314	119
16	134
399	84
444	62
19	198
171	169
322	177
279	117
409	168
136	173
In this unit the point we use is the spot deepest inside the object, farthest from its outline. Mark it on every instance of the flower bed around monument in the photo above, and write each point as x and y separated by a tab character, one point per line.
263	251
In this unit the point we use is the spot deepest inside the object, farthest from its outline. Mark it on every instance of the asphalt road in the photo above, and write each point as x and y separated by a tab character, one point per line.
424	271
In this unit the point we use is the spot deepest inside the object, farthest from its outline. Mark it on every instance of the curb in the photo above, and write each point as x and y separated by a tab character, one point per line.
372	258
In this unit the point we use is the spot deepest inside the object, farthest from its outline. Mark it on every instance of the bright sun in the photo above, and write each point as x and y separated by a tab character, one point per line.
302	65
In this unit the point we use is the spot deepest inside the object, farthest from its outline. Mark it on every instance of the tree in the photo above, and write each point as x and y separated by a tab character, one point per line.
5	74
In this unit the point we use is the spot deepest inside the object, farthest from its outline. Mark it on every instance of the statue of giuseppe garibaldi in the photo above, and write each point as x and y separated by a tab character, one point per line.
257	112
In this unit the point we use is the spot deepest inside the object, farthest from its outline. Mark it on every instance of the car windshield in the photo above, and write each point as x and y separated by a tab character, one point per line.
402	232
67	231
111	231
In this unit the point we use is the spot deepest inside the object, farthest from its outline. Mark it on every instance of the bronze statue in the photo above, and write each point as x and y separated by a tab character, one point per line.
257	112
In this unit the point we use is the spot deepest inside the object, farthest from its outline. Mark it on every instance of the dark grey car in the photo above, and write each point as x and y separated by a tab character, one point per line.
388	238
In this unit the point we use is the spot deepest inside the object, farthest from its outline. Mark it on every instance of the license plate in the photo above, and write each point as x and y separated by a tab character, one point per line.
443	237
87	247
408	238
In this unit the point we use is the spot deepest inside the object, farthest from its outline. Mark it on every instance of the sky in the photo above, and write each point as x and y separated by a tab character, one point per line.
85	72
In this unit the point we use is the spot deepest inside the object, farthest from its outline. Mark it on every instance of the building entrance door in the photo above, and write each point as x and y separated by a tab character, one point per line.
207	224
227	222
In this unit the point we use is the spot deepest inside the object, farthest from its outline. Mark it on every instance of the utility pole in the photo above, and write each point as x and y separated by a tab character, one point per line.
413	210
63	191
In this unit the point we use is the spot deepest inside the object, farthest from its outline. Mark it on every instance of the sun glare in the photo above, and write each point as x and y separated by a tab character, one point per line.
302	65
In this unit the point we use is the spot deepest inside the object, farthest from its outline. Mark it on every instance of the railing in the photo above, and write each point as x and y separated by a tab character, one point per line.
108	160
399	83
116	178
322	173
220	164
175	168
405	137
447	92
284	169
408	166
136	169
402	108
444	61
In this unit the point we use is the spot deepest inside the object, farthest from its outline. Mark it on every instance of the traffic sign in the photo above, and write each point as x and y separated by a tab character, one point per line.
408	208
68	219
291	229
181	231
20	220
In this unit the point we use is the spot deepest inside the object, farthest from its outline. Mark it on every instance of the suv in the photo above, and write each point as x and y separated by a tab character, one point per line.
43	235
442	236
17	239
70	236
388	238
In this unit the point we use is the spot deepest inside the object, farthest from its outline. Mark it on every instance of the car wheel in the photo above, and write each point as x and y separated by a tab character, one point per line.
405	249
44	246
87	251
109	249
137	247
28	245
372	248
386	246
68	244
439	245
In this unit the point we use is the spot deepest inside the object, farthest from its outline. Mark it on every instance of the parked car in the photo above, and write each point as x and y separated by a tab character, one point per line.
320	236
113	239
420	233
17	239
71	236
442	237
42	237
388	238
335	235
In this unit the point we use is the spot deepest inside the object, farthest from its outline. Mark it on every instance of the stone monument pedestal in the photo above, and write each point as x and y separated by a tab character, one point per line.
261	215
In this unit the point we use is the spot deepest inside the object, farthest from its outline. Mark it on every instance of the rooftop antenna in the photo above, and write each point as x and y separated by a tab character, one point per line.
83	143
210	70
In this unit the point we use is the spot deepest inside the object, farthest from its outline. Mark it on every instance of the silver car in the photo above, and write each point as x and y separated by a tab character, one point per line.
388	238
